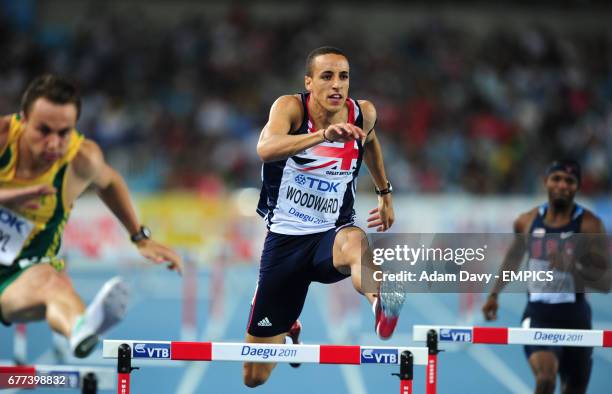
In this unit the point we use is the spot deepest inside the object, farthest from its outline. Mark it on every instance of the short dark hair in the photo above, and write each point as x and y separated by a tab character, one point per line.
54	88
321	51
569	166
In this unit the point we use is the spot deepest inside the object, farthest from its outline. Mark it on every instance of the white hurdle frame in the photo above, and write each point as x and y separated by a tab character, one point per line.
507	336
127	350
516	335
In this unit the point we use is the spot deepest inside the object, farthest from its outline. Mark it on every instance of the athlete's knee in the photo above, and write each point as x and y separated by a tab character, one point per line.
357	236
354	243
57	283
545	383
253	381
254	374
53	280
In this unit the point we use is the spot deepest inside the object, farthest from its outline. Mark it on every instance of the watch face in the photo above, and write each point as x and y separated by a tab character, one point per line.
146	232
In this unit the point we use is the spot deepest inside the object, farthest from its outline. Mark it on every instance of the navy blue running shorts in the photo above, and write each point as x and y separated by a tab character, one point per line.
289	263
574	362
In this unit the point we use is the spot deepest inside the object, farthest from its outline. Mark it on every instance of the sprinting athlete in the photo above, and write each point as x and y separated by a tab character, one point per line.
547	235
312	147
45	164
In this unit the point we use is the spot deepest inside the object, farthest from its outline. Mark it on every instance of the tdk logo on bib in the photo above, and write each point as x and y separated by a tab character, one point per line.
300	180
317	184
152	350
378	356
6	217
455	335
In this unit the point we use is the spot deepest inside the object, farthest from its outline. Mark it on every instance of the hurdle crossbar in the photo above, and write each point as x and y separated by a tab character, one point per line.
263	352
87	378
127	350
516	336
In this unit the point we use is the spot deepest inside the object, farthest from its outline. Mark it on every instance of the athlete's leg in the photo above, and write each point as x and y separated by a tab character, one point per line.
575	369
256	374
544	365
351	255
279	296
41	292
567	388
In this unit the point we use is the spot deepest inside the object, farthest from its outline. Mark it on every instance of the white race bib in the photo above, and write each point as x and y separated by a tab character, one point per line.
14	231
561	289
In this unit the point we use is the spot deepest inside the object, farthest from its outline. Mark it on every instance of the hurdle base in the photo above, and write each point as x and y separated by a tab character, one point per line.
406	372
124	368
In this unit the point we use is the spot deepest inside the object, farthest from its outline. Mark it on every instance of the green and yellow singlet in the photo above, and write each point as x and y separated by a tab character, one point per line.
51	212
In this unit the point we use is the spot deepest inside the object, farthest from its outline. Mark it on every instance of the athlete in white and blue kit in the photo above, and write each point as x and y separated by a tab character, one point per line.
312	148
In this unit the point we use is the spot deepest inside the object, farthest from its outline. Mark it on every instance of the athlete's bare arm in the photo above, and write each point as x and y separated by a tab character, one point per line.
512	261
373	156
17	196
90	168
275	142
383	216
593	265
591	224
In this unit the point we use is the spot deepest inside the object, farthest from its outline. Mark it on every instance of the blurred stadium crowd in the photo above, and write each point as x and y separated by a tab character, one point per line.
182	106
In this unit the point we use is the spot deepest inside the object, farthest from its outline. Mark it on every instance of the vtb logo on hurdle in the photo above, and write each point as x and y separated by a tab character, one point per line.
378	356
152	350
455	335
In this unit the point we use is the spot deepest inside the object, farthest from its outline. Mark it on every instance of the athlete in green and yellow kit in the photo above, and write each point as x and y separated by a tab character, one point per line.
45	164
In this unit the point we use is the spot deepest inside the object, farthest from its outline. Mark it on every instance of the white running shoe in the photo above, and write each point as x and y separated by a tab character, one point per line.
107	309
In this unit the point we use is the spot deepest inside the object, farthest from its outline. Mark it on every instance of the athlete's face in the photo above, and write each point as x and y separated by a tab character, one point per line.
561	187
329	82
48	128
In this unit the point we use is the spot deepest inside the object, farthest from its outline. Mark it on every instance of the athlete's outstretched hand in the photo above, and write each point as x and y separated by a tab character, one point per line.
343	132
159	253
382	217
489	309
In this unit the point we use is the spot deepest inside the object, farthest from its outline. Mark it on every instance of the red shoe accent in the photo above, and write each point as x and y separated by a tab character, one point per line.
294	334
385	324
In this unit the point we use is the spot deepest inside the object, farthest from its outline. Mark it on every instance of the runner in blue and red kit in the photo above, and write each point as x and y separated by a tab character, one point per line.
548	235
312	147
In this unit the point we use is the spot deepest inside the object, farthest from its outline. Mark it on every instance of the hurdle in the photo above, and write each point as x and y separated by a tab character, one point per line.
88	379
504	336
515	336
406	357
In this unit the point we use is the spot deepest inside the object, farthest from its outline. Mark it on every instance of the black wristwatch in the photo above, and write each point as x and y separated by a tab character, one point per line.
382	192
143	233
